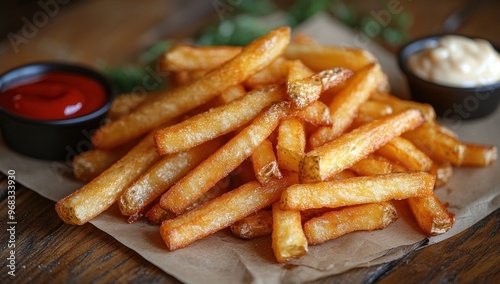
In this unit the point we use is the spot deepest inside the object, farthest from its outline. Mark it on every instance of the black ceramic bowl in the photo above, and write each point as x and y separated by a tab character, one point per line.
452	103
51	139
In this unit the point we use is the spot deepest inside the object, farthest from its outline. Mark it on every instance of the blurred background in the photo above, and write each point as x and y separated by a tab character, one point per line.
120	37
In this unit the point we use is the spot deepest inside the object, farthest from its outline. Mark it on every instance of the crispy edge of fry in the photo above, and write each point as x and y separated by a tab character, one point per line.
291	144
399	105
224	160
156	215
349	148
217	121
477	155
357	190
98	195
407	154
443	172
288	239
431	215
221	212
265	165
173	103
344	106
253	226
161	176
336	223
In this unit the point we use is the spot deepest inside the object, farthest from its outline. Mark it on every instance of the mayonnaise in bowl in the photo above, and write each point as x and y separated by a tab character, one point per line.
457	61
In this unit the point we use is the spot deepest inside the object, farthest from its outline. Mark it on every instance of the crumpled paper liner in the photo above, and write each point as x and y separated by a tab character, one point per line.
221	258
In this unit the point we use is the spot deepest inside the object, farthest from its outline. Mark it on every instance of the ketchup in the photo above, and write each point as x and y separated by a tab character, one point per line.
54	96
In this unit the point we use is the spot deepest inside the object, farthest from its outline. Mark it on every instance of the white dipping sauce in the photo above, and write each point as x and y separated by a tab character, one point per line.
457	61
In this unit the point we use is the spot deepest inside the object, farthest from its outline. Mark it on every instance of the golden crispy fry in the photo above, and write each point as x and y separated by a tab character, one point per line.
96	196
161	176
275	73
256	225
302	92
296	70
349	148
357	190
288	239
319	57
479	155
371	167
265	165
336	223
217	121
156	214
404	152
90	164
345	105
291	144
186	77
443	173
173	103
224	160
437	145
399	105
317	113
188	58
221	212
432	217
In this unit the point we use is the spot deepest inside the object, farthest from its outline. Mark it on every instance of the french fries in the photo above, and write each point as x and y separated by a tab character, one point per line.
333	224
357	190
298	142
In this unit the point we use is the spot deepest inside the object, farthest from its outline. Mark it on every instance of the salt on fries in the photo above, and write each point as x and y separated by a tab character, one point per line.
293	140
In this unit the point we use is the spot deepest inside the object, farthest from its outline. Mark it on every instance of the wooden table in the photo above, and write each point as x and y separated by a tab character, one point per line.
92	31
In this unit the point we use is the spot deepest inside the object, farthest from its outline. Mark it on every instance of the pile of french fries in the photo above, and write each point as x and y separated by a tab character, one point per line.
283	137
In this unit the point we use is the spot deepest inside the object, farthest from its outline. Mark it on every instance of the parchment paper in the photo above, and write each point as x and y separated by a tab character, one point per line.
221	258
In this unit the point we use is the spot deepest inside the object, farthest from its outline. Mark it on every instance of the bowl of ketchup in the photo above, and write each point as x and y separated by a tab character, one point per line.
49	110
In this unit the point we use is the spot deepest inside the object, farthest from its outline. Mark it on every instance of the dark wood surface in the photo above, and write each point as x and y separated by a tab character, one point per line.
50	251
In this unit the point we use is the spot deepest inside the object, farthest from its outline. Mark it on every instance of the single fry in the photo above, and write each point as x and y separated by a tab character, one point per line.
319	57
288	239
437	145
333	224
161	176
476	155
407	154
345	105
99	194
431	215
184	57
224	160
231	94
175	102
265	165
221	212
357	190
343	152
216	122
156	215
291	144
371	110
256	225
